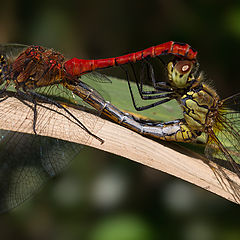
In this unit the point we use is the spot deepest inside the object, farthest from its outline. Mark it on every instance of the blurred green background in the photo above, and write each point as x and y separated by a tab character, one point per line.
102	196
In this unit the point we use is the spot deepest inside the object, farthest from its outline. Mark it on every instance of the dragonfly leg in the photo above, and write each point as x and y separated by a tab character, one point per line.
159	87
150	74
152	105
146	95
34	115
140	85
48	100
22	96
34	108
149	97
147	106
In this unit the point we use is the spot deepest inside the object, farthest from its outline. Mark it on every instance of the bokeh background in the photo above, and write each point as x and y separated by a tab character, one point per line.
102	196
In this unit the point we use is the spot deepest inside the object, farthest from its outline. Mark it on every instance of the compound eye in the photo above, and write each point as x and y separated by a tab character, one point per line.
184	66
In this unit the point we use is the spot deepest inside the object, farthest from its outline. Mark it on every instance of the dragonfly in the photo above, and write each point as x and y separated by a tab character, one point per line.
27	161
204	112
32	75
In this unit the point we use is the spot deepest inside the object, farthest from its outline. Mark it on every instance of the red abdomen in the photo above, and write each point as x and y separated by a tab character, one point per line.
77	67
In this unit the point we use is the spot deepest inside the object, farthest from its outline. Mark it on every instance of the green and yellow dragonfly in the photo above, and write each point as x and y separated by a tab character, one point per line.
204	113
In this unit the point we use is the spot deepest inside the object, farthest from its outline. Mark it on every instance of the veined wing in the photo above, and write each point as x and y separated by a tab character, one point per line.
27	162
224	140
11	51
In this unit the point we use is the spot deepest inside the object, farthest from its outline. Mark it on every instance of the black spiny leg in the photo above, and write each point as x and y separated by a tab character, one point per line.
25	96
160	87
34	116
133	100
48	100
152	78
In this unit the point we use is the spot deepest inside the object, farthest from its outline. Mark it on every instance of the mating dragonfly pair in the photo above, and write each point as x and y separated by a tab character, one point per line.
30	74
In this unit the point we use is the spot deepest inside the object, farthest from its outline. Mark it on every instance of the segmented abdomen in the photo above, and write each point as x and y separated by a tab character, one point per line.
77	67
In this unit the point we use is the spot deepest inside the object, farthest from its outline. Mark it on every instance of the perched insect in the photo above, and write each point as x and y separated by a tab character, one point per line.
27	160
203	112
41	75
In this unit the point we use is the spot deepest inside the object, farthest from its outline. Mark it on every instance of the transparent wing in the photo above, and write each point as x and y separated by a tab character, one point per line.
11	51
224	140
98	77
232	103
27	162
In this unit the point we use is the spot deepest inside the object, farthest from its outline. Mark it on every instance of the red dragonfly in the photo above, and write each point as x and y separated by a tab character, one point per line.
27	160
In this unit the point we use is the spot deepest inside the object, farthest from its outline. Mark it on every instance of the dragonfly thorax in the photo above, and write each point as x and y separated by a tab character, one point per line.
200	107
37	67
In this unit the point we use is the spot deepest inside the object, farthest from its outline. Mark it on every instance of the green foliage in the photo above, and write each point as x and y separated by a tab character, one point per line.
233	21
125	227
119	95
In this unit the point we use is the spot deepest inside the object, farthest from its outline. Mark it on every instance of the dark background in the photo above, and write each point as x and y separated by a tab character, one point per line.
103	196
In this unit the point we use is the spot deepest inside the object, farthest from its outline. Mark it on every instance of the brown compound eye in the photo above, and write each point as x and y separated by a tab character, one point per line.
183	66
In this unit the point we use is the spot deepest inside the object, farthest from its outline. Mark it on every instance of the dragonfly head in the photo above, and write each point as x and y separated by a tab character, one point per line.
182	73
